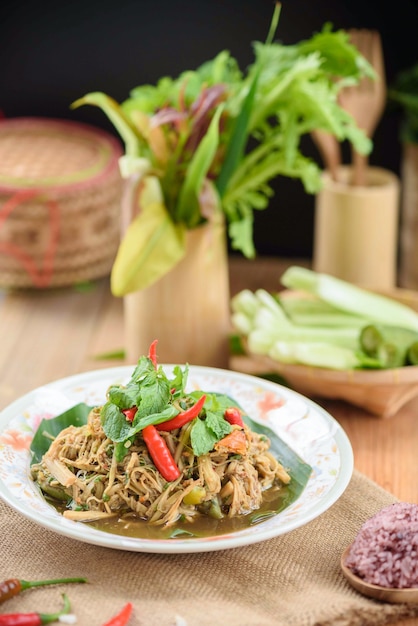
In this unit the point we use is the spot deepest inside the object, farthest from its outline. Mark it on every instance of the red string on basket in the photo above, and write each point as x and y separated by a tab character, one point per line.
41	277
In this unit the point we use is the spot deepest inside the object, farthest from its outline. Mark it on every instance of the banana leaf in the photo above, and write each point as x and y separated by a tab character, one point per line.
48	429
152	246
296	467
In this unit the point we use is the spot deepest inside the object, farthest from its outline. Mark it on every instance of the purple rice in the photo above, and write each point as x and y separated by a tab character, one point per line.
385	551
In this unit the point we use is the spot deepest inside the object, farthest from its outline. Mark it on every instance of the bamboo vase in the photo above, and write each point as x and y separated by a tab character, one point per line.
187	310
356	229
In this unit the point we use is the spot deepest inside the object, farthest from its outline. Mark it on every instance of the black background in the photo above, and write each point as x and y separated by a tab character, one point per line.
52	53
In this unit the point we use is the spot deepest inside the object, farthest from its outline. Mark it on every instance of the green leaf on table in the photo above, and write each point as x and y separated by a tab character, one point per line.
117	355
152	246
48	429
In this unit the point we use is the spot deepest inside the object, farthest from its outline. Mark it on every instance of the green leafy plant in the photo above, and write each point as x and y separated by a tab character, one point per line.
207	144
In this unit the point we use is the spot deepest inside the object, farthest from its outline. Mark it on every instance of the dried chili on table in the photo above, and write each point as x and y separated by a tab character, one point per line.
34	619
13	586
122	617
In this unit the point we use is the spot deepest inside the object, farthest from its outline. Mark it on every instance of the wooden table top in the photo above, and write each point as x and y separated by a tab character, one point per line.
47	335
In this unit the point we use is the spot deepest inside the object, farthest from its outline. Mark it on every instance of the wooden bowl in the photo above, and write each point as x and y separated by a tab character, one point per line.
384	594
380	392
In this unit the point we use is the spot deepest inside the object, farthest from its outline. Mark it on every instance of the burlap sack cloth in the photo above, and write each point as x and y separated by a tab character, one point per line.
293	580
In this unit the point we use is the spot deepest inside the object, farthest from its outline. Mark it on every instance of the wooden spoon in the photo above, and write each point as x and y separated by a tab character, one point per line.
365	101
329	149
385	594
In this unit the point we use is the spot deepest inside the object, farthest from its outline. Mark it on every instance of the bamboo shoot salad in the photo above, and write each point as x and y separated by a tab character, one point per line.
159	454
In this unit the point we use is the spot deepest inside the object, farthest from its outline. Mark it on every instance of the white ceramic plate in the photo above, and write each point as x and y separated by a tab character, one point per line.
301	423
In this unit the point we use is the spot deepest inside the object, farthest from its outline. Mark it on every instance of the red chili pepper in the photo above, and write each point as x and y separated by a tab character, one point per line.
160	454
121	618
34	619
130	413
13	586
152	353
182	418
233	416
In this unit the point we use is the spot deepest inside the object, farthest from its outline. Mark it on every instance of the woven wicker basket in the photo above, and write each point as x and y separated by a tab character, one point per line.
60	192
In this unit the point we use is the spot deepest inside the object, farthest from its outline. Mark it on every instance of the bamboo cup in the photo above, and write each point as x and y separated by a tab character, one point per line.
187	310
356	228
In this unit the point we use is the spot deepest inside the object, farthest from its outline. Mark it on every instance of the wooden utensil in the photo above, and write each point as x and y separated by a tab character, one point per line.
330	151
365	101
385	594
